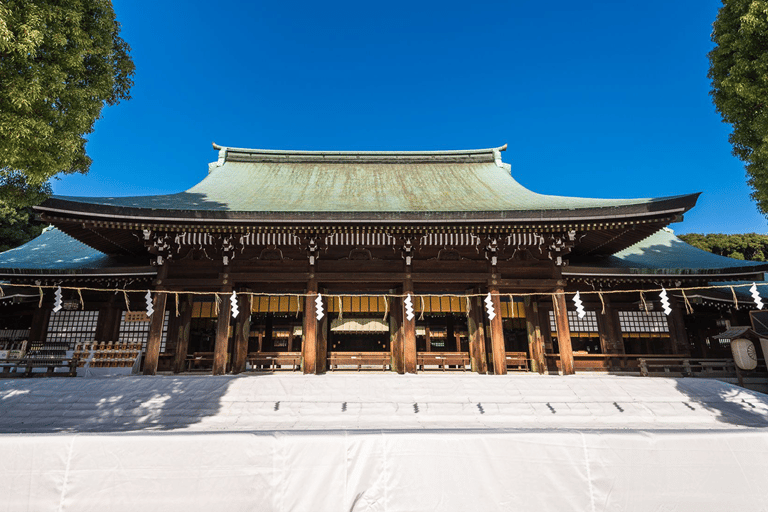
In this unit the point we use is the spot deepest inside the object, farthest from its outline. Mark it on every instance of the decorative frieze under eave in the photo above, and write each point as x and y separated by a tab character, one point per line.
119	237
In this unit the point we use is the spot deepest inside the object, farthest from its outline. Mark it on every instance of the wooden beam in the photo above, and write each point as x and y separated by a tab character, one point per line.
535	337
527	284
309	330
563	332
155	334
182	334
498	349
242	331
221	346
409	332
476	332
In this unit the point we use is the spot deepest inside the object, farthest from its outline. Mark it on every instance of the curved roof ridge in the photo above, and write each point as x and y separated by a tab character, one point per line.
384	153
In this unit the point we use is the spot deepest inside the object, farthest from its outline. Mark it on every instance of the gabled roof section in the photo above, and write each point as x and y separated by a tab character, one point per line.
664	253
253	184
55	252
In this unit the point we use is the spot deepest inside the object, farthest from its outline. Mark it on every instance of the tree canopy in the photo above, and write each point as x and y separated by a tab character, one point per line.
750	246
739	74
60	63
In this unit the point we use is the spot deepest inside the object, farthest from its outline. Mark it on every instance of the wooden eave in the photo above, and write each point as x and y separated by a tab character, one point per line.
600	237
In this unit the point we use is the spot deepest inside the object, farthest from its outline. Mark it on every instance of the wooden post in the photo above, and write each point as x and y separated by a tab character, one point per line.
476	332
155	334
309	330
182	334
678	336
498	350
427	340
222	334
409	332
535	338
323	328
242	331
40	319
563	332
396	333
611	341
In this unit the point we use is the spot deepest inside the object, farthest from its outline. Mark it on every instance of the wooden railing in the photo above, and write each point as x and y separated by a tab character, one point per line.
650	364
517	361
275	360
443	360
11	367
359	360
686	367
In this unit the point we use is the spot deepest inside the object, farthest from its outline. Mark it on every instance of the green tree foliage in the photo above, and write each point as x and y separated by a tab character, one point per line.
750	246
739	74
16	217
60	63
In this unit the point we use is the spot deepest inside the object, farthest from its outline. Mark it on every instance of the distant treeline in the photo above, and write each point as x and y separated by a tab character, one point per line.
749	246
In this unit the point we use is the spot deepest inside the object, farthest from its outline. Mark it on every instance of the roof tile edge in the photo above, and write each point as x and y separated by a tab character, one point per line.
232	154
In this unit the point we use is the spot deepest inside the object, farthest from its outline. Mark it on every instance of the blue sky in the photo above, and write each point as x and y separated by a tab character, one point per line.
597	99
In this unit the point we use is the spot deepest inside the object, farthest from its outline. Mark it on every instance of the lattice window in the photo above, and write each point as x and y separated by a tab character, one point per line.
72	327
640	321
576	324
138	331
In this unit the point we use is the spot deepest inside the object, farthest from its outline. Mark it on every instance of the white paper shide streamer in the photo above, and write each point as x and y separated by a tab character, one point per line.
150	308
665	302
409	307
489	307
319	307
233	302
579	306
756	296
57	300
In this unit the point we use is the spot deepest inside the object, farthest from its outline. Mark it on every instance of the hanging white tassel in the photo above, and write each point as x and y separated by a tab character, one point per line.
233	301
319	307
150	308
756	296
579	306
57	300
489	307
665	302
409	308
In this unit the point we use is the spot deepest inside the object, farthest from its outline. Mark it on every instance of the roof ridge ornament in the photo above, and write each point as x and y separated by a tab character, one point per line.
497	159
222	158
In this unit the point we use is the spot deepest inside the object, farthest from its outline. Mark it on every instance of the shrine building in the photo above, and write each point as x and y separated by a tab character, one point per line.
429	260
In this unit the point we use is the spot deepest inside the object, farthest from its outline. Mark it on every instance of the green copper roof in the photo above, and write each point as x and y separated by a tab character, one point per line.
301	182
56	252
664	253
664	250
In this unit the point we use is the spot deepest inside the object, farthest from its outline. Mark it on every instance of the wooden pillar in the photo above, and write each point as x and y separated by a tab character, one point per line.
155	334
476	333
40	319
678	336
611	341
309	330
323	329
222	334
242	331
427	340
535	338
396	332
409	332
183	328
498	350
563	332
